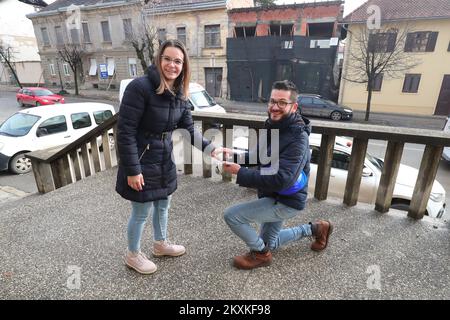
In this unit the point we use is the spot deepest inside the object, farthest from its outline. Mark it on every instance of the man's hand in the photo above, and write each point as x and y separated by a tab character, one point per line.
136	182
231	167
222	153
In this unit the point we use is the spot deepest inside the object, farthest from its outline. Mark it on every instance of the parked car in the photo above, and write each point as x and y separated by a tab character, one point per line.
316	106
42	127
446	153
373	166
199	99
37	96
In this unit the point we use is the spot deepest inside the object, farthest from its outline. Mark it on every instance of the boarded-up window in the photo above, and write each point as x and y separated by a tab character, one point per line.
423	41
411	83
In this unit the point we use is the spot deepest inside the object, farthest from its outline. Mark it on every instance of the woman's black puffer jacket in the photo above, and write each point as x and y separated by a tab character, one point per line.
144	116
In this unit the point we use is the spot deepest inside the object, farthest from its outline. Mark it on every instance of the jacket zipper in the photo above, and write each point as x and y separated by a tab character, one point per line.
145	150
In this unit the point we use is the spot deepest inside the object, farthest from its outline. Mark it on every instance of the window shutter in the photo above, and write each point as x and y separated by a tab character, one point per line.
392	38
431	41
409	41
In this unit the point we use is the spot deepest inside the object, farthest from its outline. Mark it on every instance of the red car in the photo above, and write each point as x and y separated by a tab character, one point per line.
37	96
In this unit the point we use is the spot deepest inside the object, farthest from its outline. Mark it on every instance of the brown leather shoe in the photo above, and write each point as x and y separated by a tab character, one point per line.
253	259
321	231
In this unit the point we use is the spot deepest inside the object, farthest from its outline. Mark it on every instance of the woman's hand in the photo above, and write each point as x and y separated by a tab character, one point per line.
222	153
136	182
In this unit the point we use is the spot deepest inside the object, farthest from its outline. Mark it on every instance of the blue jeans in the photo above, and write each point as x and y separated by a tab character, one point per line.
138	217
271	216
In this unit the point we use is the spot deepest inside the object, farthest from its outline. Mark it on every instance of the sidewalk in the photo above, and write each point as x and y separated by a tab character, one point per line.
79	232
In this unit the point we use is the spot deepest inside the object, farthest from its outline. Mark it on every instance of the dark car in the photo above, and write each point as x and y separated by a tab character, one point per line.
317	106
37	96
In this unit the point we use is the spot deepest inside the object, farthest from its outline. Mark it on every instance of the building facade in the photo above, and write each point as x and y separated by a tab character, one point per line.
99	30
422	90
297	42
18	41
203	26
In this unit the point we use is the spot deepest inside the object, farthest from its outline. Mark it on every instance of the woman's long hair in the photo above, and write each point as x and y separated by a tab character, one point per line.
182	82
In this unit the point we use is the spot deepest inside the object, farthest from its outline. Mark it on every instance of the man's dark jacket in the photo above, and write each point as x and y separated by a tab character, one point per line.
143	116
294	156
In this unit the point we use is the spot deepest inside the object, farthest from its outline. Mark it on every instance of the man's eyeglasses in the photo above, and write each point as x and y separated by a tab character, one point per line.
168	60
280	103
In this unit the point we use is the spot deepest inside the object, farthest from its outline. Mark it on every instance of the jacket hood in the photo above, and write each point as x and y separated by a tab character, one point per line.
294	119
155	79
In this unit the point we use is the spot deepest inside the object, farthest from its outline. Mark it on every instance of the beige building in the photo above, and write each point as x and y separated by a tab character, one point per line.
18	41
423	90
203	26
100	29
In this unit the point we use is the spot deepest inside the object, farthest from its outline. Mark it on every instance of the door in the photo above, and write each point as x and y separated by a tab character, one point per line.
320	108
213	78
52	132
306	106
443	104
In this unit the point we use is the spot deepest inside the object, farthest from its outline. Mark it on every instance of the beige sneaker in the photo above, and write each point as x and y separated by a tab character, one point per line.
139	262
165	248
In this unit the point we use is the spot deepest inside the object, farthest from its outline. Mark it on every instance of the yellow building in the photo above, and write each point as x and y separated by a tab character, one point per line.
422	90
203	26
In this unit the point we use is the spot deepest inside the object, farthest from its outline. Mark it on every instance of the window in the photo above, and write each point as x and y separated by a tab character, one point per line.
244	32
127	29
284	72
212	36
66	69
181	34
411	84
306	100
86	35
45	38
75	36
102	116
162	35
277	29
53	125
81	120
341	160
93	67
424	41
448	49
52	69
105	31
382	42
111	66
377	83
132	67
59	35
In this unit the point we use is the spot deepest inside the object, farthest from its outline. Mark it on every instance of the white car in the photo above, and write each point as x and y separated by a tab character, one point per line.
373	166
199	98
45	127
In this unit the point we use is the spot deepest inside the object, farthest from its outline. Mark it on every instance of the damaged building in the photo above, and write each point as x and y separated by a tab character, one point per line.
298	42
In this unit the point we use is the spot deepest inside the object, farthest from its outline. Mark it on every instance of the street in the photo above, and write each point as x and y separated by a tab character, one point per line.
411	156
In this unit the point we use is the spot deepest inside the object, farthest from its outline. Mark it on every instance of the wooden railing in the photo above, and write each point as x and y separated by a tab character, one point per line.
52	167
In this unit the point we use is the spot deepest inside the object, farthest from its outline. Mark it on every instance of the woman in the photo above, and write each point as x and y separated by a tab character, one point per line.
152	107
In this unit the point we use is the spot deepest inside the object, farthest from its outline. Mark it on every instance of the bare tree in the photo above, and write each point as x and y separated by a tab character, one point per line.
73	54
378	53
144	36
6	58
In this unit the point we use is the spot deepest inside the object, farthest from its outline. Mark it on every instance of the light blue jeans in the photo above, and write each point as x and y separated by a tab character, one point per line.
264	211
138	218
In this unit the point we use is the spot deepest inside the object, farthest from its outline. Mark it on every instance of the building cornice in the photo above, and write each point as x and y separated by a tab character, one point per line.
162	9
83	8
